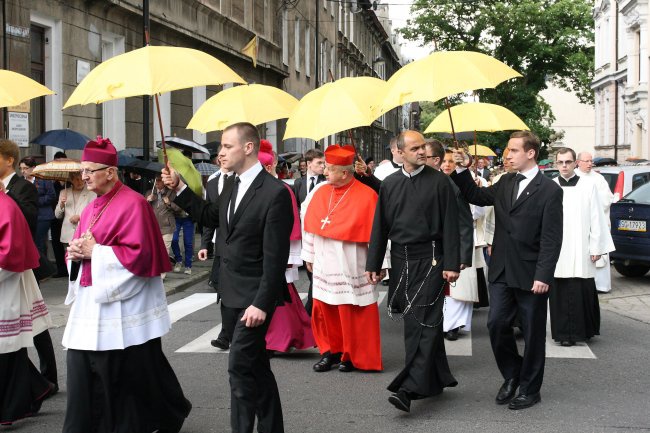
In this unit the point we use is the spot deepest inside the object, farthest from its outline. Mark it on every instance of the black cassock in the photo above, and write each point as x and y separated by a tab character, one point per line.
419	214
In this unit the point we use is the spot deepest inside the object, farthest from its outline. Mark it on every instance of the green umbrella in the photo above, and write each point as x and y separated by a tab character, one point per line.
545	162
184	167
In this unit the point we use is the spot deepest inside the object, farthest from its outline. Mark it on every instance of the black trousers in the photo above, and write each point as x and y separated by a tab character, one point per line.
253	389
506	303
45	349
57	247
310	302
228	321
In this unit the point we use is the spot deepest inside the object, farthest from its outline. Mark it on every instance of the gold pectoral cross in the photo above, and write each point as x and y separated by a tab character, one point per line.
325	221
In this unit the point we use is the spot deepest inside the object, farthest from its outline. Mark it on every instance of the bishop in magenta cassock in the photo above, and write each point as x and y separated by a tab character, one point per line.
337	225
23	314
119	311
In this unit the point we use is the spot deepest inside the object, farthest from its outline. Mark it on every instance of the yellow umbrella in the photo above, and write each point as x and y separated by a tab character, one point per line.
477	117
148	71
16	88
344	104
183	166
441	74
253	103
480	150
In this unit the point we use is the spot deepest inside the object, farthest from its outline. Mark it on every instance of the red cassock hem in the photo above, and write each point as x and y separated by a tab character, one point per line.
351	330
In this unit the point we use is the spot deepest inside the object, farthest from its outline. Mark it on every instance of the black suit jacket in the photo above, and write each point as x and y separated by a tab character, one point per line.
528	232
254	245
300	187
24	193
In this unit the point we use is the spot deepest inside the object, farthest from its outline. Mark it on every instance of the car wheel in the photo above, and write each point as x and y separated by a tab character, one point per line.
631	270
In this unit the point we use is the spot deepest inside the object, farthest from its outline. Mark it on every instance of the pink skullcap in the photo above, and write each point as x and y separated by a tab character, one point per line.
101	151
265	155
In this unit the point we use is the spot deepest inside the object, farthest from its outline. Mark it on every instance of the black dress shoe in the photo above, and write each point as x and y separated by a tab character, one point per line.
327	361
221	343
507	391
401	401
523	401
452	335
346	366
567	343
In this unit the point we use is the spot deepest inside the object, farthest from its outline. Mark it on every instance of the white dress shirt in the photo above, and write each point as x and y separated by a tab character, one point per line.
245	181
528	177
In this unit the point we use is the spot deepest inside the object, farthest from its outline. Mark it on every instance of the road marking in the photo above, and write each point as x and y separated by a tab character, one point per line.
191	304
460	347
202	344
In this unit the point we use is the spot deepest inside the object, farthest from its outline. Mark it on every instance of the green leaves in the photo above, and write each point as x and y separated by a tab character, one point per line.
545	40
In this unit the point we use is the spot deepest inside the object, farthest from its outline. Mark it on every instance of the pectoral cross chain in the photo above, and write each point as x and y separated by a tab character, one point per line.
325	221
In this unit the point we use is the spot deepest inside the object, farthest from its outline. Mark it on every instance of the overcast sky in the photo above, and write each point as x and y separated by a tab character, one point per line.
399	13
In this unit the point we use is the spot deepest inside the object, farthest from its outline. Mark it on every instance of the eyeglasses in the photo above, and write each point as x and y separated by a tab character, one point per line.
586	160
90	171
565	162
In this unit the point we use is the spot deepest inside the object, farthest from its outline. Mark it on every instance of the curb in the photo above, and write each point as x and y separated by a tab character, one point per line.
194	279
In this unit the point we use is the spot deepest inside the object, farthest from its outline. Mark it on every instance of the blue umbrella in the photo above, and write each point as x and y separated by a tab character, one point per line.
65	139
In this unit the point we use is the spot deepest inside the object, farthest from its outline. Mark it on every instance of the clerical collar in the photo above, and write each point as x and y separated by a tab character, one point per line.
572	181
396	165
415	172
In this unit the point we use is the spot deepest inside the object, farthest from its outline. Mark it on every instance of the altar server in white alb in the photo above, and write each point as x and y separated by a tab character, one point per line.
575	313
23	314
119	311
585	164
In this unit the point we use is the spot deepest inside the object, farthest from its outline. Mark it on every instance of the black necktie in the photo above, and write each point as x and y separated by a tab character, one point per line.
311	184
515	189
233	200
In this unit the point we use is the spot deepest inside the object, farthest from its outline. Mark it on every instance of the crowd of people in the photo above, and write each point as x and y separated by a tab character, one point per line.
443	232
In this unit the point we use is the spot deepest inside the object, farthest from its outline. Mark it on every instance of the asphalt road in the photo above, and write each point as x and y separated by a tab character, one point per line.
604	386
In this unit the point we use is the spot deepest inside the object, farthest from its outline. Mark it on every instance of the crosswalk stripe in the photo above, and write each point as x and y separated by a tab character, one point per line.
554	350
191	304
202	344
460	347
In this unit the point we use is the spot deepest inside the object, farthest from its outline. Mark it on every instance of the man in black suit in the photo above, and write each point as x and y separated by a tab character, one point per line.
25	195
482	169
526	247
315	165
255	227
214	187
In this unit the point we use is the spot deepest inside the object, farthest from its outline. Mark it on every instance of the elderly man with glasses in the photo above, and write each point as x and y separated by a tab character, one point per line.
585	165
119	311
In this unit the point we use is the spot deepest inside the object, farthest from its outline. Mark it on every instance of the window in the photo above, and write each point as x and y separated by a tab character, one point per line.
307	50
296	44
37	113
285	37
640	179
258	16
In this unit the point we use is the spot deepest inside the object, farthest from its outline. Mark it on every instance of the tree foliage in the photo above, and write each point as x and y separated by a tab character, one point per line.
544	40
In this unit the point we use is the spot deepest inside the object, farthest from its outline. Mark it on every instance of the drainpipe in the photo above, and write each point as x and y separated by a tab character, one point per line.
616	83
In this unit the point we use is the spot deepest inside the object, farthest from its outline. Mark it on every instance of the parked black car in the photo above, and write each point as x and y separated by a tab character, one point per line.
629	217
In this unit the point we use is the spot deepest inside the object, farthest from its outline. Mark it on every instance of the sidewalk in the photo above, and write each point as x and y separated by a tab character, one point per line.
55	289
630	297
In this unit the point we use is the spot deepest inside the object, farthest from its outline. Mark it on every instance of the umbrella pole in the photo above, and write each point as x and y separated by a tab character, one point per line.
451	122
162	134
356	154
475	150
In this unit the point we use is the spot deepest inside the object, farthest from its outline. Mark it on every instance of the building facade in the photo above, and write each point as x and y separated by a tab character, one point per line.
57	42
621	79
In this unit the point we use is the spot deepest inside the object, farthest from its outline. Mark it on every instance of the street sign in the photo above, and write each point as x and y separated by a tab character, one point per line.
19	128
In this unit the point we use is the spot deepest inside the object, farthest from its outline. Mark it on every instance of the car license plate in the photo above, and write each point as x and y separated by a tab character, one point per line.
632	226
